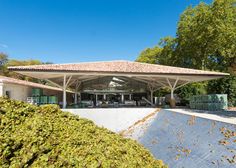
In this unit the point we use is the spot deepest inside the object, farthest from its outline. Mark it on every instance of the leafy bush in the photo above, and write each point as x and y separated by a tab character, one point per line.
225	85
45	136
186	92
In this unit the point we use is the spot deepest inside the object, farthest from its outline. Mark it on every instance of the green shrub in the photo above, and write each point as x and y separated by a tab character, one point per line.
225	85
45	136
187	91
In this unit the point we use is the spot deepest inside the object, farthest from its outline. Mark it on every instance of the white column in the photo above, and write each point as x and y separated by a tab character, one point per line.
122	98
96	98
79	94
151	94
104	96
64	91
130	96
76	92
76	98
172	94
1	89
172	89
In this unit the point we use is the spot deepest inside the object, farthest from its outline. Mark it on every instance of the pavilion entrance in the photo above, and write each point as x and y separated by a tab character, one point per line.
113	92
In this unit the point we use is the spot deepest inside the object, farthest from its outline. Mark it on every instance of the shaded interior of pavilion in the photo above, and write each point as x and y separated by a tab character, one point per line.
115	91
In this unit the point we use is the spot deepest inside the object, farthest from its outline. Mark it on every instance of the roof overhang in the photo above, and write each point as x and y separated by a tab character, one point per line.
157	75
8	80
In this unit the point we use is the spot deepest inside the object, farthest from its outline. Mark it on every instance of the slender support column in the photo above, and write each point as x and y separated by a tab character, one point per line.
76	97
130	96
1	89
96	98
172	93
122	98
76	91
79	94
172	89
64	91
151	88
104	97
151	95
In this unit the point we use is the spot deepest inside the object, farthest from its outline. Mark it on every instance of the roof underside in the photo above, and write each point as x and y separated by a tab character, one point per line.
155	75
4	79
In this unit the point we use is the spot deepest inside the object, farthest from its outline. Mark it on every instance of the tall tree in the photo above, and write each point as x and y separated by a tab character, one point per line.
207	35
150	55
205	39
168	45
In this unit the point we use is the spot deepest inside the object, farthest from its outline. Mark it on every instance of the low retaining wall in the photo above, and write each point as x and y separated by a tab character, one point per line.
114	119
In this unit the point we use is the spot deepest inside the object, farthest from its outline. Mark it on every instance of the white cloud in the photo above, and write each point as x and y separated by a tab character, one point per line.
3	45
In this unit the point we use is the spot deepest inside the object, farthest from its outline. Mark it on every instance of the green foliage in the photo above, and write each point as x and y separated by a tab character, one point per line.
162	92
6	62
205	39
186	92
47	137
160	54
13	62
224	86
166	57
150	55
206	36
3	61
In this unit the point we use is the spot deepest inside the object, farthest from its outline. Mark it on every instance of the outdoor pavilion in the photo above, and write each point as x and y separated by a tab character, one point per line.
98	76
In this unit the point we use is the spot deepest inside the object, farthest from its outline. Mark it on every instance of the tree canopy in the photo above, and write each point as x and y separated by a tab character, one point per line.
150	55
205	39
207	35
6	62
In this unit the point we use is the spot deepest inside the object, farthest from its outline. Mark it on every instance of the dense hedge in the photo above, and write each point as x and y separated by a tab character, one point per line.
47	137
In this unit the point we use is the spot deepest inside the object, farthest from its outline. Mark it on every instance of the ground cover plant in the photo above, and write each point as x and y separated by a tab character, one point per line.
45	136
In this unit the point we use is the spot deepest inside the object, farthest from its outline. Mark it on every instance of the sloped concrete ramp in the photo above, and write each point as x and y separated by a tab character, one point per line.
186	141
114	119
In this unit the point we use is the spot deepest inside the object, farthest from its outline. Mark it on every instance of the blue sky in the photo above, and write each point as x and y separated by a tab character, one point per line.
64	31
